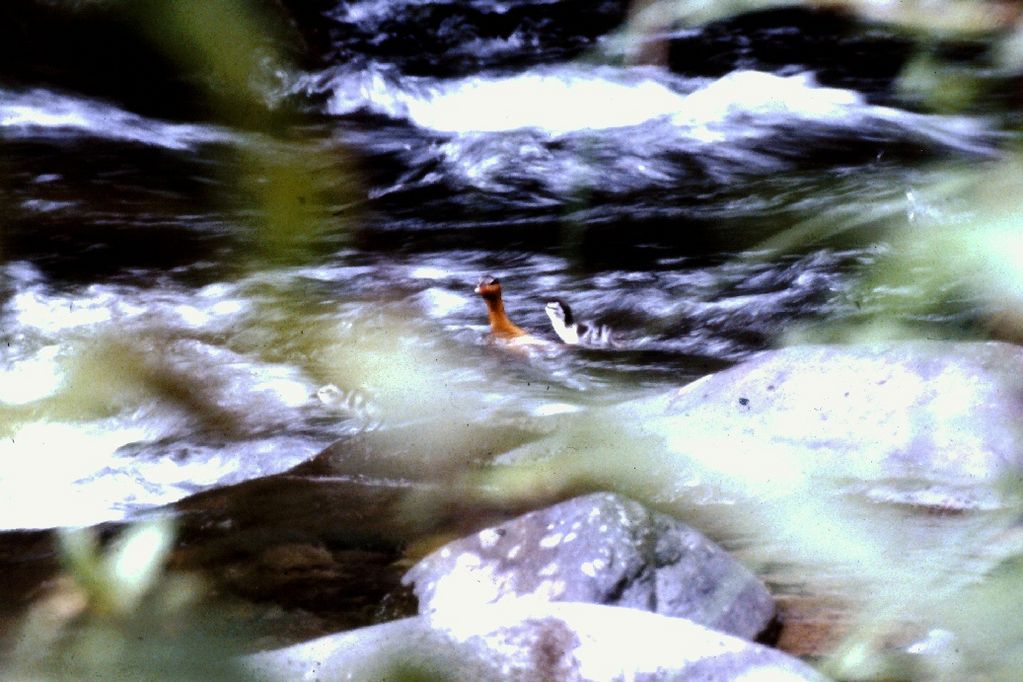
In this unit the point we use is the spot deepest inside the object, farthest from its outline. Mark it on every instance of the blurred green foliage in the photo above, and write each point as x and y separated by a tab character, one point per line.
117	582
292	184
115	615
120	617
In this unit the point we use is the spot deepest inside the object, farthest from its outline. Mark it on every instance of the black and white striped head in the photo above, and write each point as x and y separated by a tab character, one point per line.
556	308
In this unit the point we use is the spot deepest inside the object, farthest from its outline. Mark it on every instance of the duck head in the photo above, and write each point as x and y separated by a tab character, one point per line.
489	288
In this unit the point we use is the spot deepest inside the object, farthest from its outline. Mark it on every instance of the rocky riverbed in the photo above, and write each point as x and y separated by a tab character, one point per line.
804	434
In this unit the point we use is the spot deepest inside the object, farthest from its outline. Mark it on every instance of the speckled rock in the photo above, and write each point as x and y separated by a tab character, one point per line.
922	423
603	549
527	640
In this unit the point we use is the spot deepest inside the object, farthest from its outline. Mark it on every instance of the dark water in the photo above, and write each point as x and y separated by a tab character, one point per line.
157	343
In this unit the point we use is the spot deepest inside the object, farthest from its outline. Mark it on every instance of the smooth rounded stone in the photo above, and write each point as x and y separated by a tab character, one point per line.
600	548
528	639
909	422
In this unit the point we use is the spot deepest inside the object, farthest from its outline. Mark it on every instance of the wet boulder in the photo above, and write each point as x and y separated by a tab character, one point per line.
601	548
526	640
923	423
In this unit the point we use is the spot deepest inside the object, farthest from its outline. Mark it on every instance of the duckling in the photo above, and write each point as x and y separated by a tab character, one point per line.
500	326
575	333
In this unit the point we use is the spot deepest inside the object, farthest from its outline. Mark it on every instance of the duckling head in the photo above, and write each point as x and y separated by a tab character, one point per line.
562	321
559	310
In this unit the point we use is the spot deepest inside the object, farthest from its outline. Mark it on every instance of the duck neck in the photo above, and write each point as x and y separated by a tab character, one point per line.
500	325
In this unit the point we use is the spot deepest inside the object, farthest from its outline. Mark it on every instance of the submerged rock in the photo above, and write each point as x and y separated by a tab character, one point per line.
526	640
603	549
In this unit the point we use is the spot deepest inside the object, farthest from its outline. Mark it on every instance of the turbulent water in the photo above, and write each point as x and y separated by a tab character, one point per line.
144	358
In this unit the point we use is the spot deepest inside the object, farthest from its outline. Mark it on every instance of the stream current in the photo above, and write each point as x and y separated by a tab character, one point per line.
146	356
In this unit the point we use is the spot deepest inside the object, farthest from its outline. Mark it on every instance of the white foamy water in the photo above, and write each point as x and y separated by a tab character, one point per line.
553	103
579	98
30	378
617	129
118	398
81	473
42	112
557	102
370	12
44	464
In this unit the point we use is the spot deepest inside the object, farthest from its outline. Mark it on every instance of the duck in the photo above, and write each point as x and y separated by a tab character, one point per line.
575	333
502	328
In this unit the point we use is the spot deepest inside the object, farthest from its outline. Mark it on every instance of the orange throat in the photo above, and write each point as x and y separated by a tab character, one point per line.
500	325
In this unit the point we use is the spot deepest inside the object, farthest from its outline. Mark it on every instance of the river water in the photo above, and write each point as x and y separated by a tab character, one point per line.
154	345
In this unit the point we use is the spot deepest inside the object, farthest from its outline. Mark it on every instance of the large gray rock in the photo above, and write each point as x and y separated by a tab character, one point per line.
924	421
916	422
527	640
603	549
786	455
